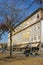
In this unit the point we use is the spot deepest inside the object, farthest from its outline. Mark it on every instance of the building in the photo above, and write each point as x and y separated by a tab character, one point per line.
3	46
29	31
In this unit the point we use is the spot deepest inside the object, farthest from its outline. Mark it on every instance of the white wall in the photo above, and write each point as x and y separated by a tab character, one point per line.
41	30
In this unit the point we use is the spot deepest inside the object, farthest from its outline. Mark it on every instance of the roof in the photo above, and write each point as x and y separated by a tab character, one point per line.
30	16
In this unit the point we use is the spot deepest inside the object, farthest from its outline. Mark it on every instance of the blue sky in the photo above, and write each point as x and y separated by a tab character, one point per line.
18	5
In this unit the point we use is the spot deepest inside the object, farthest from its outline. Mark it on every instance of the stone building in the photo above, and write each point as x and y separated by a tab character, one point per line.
29	31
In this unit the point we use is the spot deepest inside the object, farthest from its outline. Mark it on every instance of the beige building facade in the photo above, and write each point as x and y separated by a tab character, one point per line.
28	31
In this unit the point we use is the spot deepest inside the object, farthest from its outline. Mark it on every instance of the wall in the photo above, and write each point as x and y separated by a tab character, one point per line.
28	31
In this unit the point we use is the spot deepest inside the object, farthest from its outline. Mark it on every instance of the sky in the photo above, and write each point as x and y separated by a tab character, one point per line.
19	4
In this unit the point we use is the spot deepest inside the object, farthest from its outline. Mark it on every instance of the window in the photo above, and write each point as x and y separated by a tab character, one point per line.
42	45
37	15
34	37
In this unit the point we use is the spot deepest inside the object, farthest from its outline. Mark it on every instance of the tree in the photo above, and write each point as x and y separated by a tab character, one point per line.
40	2
10	18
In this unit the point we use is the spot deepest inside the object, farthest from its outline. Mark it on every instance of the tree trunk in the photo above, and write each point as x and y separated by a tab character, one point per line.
10	43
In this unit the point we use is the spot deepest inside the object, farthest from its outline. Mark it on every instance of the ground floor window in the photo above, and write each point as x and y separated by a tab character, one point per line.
42	46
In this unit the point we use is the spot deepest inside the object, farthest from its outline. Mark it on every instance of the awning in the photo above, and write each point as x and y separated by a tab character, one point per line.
23	46
33	45
20	46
